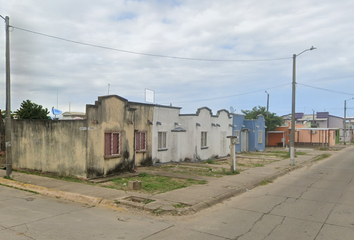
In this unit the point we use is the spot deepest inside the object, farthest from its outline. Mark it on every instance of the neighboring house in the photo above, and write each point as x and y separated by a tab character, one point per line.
325	121
304	136
250	133
73	115
319	120
208	133
190	137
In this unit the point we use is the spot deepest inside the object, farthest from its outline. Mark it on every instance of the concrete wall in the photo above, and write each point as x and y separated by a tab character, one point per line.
49	146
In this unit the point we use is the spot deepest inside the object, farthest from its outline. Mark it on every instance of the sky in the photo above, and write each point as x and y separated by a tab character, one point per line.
218	54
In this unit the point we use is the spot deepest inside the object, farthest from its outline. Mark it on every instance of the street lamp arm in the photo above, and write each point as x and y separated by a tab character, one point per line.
293	122
310	49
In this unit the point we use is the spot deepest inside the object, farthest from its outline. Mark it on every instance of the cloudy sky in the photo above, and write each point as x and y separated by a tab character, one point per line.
218	54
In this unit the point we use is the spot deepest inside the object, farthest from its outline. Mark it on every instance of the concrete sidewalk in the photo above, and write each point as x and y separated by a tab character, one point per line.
180	201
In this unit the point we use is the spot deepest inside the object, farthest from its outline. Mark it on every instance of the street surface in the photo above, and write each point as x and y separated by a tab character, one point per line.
315	202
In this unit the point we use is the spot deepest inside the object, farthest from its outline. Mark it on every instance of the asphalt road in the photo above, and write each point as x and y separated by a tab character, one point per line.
315	202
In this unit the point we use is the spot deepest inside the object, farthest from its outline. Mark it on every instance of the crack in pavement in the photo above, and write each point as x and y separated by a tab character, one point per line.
261	218
158	232
324	222
282	221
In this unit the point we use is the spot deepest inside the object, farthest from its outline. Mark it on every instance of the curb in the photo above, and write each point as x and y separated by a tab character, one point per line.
75	197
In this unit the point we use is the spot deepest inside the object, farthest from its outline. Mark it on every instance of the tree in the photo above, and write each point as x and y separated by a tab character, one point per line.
272	121
3	114
30	110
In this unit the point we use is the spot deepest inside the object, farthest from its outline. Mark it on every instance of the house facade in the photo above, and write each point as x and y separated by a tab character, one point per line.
250	133
304	136
118	135
190	137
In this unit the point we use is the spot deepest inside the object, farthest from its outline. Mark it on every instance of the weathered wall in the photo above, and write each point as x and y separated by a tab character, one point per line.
49	146
116	114
143	121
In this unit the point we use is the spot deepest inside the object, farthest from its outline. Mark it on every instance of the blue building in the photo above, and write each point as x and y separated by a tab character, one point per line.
250	132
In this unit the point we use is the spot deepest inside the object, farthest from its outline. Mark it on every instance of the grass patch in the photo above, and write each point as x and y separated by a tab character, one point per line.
323	148
7	177
265	182
229	172
153	184
158	211
180	205
210	161
148	201
286	154
322	156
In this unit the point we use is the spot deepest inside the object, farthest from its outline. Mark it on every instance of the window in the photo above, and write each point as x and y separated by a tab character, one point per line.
204	140
260	136
161	140
140	141
112	144
237	134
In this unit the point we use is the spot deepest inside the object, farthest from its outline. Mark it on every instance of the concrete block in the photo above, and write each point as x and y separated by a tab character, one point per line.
134	185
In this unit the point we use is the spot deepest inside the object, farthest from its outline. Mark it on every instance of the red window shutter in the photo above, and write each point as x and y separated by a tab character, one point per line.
143	141
137	141
107	144
115	149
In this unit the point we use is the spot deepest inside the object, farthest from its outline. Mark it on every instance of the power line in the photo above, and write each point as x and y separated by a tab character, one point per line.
150	54
324	89
208	99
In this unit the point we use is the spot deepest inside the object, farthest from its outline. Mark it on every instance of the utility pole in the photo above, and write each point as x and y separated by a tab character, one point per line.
345	121
313	118
267	103
292	136
8	103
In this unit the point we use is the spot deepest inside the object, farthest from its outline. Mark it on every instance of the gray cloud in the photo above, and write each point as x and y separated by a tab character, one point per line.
43	68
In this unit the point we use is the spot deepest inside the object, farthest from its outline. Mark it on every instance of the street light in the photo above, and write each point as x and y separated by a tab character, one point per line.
345	119
292	142
267	102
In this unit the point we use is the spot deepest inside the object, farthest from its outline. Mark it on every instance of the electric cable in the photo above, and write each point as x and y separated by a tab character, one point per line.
150	54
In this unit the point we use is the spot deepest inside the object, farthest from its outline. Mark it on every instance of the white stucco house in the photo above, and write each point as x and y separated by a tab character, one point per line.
189	137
